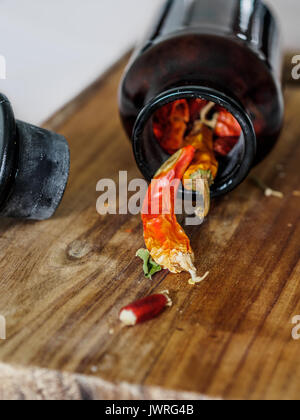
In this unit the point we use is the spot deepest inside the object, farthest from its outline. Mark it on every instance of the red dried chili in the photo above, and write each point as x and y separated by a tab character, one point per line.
204	160
196	106
170	125
227	125
224	145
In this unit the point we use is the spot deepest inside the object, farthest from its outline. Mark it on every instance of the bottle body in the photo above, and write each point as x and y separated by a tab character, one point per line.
228	50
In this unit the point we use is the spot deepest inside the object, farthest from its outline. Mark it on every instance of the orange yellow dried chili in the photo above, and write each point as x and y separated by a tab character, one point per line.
204	167
165	239
204	160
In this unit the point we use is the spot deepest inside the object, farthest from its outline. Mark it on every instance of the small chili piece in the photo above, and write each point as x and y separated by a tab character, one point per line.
145	309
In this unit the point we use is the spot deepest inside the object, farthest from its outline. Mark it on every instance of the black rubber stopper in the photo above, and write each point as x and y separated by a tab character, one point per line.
35	168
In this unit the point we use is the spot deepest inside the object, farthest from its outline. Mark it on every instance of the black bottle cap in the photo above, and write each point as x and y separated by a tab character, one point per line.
34	168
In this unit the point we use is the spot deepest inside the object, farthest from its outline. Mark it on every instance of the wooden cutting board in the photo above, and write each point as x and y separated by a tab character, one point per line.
64	281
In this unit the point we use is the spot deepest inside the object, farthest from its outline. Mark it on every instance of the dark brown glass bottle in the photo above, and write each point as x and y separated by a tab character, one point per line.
225	51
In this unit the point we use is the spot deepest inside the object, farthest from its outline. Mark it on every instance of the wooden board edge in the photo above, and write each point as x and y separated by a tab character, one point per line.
43	384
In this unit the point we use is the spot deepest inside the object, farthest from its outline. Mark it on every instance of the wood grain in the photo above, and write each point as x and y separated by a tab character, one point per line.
64	281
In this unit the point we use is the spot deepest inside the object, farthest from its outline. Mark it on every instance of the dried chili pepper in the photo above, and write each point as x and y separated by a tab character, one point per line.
204	160
196	106
161	121
224	145
165	239
145	309
204	168
170	125
227	125
227	132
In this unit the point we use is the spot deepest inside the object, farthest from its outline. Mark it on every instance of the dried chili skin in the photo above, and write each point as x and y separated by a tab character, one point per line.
164	237
224	145
196	105
170	125
227	132
227	125
204	159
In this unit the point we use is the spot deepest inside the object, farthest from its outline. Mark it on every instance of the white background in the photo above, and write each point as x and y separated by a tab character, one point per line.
56	48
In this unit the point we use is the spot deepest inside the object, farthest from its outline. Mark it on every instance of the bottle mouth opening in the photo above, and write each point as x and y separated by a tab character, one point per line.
233	168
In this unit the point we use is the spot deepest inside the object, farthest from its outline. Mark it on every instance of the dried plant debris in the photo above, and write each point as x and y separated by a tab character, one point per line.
269	192
150	267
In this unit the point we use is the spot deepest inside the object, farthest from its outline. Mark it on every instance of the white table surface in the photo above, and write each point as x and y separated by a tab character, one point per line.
55	48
